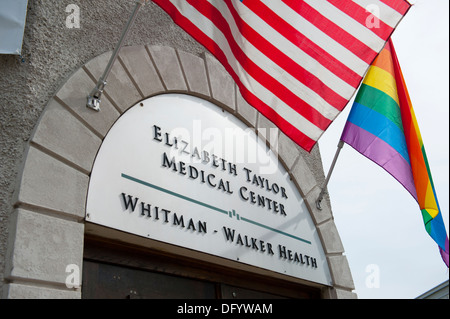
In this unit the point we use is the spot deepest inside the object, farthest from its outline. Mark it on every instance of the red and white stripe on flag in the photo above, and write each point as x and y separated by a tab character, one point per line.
298	62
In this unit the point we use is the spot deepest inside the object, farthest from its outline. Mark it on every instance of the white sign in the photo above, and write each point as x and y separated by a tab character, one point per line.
179	170
12	25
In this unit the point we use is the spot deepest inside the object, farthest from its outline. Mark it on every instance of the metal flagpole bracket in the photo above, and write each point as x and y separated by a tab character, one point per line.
322	192
94	98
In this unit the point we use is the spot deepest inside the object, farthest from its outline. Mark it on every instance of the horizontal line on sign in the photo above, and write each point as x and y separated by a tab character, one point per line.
136	180
173	193
274	230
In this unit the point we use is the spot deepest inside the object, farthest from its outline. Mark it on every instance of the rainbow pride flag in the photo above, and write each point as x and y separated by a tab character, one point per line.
382	126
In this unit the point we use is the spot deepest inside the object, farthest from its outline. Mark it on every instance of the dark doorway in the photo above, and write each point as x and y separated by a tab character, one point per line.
117	271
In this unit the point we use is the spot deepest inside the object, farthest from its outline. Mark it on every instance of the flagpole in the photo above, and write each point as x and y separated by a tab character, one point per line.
93	99
322	192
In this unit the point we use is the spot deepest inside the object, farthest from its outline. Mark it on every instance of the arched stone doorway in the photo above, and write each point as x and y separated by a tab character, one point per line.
47	226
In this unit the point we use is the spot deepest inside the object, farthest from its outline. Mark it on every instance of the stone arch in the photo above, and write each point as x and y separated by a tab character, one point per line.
47	227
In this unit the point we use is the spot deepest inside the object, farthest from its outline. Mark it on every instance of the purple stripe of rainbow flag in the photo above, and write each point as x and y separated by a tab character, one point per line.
382	126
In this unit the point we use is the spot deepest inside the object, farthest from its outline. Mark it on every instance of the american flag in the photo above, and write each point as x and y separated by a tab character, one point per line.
298	62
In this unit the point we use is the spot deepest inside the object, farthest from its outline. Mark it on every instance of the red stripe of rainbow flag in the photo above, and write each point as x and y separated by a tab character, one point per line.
382	126
426	193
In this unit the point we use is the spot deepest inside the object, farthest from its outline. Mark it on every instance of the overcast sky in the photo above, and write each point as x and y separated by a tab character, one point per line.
389	251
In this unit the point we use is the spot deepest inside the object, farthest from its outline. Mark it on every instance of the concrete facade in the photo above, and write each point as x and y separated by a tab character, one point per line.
49	138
